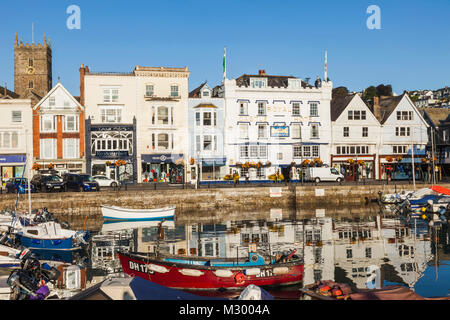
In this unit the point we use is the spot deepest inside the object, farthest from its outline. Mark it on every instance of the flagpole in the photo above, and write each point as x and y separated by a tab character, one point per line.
326	67
224	63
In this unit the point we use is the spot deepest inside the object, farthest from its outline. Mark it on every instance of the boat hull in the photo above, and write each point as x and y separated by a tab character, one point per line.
48	244
122	214
192	277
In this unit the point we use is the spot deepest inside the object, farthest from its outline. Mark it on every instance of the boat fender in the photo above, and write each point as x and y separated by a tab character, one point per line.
324	288
191	272
223	273
281	270
252	272
156	268
239	278
336	292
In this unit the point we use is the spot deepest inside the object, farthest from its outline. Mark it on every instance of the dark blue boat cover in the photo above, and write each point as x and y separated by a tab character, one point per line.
147	290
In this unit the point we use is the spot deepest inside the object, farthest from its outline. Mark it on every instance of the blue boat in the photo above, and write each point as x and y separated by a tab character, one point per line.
51	236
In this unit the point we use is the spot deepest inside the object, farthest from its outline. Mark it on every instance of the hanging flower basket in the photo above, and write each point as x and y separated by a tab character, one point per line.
50	166
109	163
399	159
361	162
351	161
179	162
192	161
119	163
36	166
268	164
306	163
389	159
317	162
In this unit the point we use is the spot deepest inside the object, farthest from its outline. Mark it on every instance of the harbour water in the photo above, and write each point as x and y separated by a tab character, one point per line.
370	249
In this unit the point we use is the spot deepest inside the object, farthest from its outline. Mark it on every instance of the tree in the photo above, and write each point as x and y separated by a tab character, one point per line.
383	90
340	92
369	93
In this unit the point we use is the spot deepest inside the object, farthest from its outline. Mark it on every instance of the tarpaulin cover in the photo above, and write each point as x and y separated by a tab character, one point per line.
147	290
440	189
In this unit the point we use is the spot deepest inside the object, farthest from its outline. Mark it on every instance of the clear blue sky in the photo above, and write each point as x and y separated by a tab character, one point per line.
411	51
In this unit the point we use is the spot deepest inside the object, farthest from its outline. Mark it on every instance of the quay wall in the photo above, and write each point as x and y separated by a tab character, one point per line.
205	204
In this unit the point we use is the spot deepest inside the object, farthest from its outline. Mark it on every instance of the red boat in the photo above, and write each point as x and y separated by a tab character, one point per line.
203	273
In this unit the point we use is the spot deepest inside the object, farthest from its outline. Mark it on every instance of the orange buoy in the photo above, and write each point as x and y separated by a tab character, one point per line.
324	288
239	278
336	292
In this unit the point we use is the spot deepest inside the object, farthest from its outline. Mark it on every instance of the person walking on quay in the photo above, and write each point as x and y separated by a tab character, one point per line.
247	177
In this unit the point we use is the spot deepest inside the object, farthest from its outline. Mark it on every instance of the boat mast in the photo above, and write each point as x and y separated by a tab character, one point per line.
29	173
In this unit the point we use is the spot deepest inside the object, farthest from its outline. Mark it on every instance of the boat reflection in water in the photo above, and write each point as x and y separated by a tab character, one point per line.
366	251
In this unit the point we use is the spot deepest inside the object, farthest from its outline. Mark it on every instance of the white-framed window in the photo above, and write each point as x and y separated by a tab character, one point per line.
9	140
48	123
261	108
243	108
71	123
403	131
149	90
243	151
297	151
262	131
163	116
198	143
296	108
207	121
280	156
258	83
52	102
110	95
346	132
197	118
16	116
71	148
112	114
405	115
263	152
296	131
48	148
314	109
314	131
352	150
215	118
399	149
315	151
174	91
207	143
260	173
253	152
205	93
307	151
163	141
365	132
243	131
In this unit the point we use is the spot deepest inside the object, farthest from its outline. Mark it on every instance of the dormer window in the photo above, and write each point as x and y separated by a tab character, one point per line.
294	83
258	83
205	93
52	102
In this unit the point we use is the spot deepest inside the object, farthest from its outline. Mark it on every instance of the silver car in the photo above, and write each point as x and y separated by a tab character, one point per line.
104	181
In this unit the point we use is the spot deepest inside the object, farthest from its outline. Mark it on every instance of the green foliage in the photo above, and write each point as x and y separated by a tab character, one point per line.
340	92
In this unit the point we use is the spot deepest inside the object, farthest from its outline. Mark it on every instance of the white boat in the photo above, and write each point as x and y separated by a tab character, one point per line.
126	225
117	213
8	257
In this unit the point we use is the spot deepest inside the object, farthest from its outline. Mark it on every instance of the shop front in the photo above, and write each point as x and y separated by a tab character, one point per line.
211	169
355	168
11	166
163	168
395	168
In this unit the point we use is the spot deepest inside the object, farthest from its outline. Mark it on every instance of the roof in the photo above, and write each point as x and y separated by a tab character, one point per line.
386	106
339	104
205	105
9	93
437	116
272	81
196	92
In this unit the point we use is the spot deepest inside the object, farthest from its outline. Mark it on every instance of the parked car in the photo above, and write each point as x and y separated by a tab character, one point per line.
18	185
48	182
323	174
104	181
80	182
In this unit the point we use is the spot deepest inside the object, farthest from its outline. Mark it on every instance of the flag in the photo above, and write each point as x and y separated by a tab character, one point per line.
224	62
326	67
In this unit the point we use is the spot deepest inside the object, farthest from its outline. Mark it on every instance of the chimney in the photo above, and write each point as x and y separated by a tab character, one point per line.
83	70
376	107
262	72
6	90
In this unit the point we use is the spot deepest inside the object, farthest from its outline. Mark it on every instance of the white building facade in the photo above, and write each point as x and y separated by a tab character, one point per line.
272	122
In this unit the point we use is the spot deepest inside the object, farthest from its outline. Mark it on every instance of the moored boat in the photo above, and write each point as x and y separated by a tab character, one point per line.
125	214
207	273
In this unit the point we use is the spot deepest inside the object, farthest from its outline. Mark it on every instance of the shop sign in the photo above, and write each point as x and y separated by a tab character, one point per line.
13	159
161	158
112	154
279	131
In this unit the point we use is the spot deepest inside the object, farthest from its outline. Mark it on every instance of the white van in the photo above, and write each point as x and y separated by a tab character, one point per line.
323	174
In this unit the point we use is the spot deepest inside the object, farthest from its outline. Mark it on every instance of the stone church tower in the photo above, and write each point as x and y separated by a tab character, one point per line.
32	69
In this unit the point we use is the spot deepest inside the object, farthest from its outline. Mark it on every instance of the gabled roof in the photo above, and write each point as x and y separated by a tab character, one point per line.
339	104
56	87
9	94
196	92
436	116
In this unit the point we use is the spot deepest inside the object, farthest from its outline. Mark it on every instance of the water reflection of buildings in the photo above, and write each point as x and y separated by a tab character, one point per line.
351	250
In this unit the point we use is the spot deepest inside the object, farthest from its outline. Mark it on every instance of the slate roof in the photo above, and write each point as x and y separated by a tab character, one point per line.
272	81
386	106
196	92
436	116
9	93
339	104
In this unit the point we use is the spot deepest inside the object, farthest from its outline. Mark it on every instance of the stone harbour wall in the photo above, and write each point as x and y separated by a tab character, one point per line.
205	204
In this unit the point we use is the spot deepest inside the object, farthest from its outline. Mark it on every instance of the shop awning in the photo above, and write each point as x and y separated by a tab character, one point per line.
209	162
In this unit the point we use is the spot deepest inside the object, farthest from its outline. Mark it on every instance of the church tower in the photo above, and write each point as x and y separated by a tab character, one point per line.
32	68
